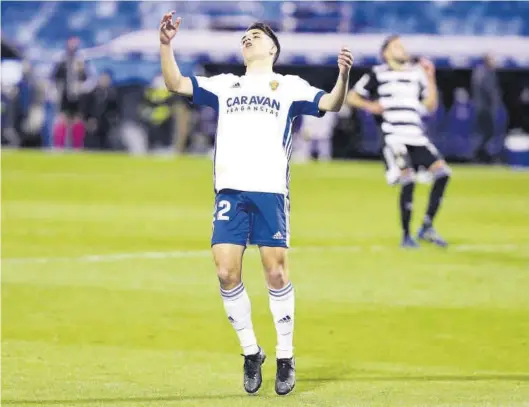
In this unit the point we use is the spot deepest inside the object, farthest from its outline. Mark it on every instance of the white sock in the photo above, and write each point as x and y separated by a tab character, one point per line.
239	311
282	307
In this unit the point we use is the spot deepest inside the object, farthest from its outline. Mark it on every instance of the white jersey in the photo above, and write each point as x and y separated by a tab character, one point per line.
253	144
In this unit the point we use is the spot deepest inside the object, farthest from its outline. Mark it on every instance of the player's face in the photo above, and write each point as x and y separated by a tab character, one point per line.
72	45
26	67
256	45
490	61
104	81
397	52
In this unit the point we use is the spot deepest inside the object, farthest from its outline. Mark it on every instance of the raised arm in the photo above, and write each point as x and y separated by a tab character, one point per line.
358	97
333	101
359	102
174	80
431	100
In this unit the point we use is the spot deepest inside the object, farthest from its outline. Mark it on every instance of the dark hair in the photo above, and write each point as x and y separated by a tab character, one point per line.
386	43
265	28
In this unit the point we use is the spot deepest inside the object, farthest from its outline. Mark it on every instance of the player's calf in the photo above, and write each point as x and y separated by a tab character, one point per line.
282	305
441	173
228	259
407	181
281	298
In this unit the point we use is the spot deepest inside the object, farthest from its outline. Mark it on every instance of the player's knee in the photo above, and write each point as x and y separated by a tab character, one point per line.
440	169
276	272
229	277
228	264
228	272
407	177
277	277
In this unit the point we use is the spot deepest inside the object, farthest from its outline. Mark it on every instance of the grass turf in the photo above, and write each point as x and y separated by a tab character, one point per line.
109	296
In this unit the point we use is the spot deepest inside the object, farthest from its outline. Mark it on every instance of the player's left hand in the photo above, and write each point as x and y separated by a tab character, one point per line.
345	60
428	67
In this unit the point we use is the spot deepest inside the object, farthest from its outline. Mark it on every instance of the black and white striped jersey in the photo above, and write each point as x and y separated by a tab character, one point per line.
401	94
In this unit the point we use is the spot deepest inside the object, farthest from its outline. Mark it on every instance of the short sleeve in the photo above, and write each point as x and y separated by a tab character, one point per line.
366	85
306	98
206	90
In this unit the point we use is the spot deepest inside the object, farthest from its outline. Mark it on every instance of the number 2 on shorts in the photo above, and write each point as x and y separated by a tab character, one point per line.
223	208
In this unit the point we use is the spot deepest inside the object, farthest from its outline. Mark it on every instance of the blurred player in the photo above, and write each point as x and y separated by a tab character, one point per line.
251	176
316	137
400	93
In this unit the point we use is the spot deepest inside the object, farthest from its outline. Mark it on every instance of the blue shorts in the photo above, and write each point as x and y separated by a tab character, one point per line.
256	218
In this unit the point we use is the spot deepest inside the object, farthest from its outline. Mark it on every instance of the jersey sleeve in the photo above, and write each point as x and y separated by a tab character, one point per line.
366	85
306	98
206	90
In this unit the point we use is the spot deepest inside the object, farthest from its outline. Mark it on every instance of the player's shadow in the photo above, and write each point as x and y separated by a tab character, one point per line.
318	381
118	400
326	374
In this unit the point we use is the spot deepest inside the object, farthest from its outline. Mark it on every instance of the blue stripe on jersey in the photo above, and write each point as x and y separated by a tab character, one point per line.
215	163
309	108
203	96
287	138
297	108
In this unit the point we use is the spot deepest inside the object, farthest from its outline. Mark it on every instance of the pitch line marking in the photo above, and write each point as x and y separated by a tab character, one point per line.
179	254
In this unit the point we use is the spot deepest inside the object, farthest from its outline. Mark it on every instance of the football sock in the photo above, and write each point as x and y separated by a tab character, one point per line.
441	176
282	307
239	311
406	202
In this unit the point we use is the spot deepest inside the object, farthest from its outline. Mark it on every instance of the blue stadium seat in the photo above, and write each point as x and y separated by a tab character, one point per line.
450	17
42	29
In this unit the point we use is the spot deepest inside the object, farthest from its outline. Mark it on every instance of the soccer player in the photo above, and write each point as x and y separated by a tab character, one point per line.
251	178
400	93
316	136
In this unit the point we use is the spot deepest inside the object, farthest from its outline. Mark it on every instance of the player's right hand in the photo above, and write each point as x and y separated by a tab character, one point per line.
168	29
428	66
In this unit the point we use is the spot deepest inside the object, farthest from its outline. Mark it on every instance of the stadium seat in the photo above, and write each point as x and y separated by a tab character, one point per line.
53	22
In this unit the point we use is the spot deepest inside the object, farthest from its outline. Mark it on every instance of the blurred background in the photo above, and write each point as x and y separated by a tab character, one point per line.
86	75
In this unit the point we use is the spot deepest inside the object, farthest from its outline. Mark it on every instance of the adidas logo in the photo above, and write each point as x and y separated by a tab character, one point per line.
278	235
284	320
237	85
231	320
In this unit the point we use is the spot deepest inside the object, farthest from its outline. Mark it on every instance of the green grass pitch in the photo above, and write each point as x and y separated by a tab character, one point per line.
109	295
